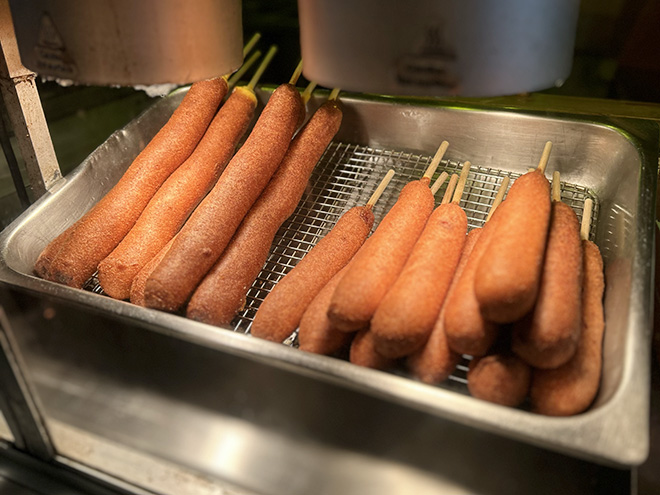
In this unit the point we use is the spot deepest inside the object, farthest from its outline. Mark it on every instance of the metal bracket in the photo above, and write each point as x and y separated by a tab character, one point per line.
19	92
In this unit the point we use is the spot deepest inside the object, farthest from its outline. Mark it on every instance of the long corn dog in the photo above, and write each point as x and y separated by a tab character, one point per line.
222	292
178	196
466	329
99	231
509	274
571	388
406	315
434	362
380	261
209	229
548	336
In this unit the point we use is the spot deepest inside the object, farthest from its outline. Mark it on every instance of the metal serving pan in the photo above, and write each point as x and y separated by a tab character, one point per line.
613	161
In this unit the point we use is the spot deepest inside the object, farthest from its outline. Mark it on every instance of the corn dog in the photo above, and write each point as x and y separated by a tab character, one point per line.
406	315
364	353
211	226
435	361
466	330
99	231
280	312
316	334
571	388
380	261
178	196
500	378
222	292
547	337
508	276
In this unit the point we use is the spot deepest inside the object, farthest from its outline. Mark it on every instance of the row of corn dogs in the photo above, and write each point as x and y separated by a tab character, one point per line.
522	295
168	235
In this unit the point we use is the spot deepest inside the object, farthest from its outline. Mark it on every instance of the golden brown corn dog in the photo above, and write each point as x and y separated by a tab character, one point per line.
364	353
222	291
406	315
316	334
209	229
178	196
380	261
280	312
466	329
508	276
434	362
99	231
547	337
571	388
500	378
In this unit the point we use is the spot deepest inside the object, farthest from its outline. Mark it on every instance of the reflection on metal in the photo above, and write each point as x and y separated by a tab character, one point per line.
26	115
18	402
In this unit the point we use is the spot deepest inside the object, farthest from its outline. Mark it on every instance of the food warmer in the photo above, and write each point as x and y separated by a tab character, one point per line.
150	399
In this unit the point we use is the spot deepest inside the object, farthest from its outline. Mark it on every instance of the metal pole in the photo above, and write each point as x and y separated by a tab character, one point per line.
26	114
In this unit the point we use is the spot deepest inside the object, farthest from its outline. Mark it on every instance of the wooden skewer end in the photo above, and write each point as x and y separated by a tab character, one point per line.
379	190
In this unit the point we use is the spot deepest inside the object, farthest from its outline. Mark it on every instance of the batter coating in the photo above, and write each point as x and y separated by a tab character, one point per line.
571	388
406	315
178	196
222	292
316	333
508	277
500	378
99	231
364	353
382	258
466	329
209	229
434	362
280	312
547	338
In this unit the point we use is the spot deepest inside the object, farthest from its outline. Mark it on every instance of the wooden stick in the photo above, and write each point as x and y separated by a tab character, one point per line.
586	219
436	160
450	189
296	74
545	157
438	182
461	183
498	197
334	94
262	67
556	186
379	190
250	44
236	76
307	94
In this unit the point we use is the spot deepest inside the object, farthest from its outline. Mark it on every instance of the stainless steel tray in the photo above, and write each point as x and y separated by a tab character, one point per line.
612	161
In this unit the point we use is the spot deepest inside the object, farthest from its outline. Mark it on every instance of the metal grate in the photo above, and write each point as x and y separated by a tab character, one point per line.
346	176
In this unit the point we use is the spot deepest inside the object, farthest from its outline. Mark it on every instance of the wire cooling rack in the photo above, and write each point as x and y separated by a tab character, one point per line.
345	177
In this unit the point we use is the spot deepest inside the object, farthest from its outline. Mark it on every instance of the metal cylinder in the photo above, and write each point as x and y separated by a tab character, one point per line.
438	47
129	42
